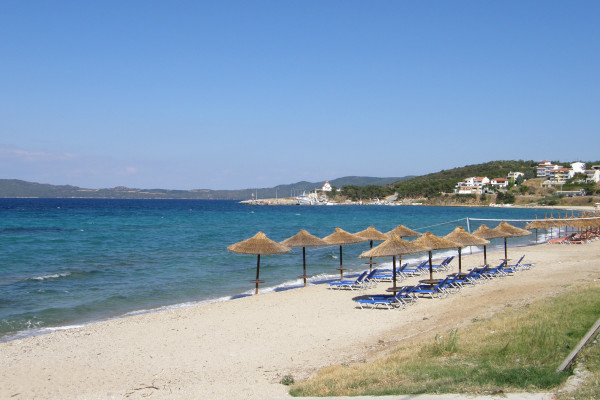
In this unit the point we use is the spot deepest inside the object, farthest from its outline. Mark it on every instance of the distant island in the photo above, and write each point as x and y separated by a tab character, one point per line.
503	182
14	188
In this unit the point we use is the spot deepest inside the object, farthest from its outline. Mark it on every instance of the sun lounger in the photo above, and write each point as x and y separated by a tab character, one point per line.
414	271
562	240
444	265
462	278
355	284
401	299
438	289
477	273
495	271
370	279
388	275
519	265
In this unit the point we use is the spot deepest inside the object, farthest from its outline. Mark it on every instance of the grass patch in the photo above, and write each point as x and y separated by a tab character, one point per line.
517	350
589	389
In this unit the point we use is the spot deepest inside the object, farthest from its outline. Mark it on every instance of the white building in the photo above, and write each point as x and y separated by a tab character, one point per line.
560	175
472	185
544	168
326	187
592	175
481	181
578	168
499	182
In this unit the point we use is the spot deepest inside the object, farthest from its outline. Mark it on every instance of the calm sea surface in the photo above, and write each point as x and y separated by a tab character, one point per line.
66	262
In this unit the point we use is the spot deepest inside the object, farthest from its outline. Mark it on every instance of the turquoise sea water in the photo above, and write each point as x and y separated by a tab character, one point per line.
66	262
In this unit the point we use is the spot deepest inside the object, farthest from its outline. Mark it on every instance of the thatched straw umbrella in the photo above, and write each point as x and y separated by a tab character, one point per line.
402	231
341	237
394	246
258	244
537	224
372	234
464	238
486	233
507	230
304	239
429	242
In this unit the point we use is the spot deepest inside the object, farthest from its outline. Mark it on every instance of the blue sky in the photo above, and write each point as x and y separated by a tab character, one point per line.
245	94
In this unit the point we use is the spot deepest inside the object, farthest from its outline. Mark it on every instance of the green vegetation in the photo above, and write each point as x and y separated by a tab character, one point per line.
432	185
589	389
517	350
505	198
590	188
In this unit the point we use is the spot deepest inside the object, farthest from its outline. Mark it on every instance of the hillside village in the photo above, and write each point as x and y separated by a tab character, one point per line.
555	176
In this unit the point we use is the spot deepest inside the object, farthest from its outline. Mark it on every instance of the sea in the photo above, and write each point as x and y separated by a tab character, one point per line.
66	263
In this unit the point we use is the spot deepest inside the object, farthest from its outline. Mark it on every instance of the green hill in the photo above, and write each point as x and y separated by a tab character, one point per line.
444	181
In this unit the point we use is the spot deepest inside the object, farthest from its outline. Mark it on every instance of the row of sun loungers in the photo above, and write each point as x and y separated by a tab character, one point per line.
404	271
576	238
452	283
364	281
368	279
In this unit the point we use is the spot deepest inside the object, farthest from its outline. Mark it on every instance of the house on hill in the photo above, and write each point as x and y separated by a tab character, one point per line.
499	182
545	167
472	185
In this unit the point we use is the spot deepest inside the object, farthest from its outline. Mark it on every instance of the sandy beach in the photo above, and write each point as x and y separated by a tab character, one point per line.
240	349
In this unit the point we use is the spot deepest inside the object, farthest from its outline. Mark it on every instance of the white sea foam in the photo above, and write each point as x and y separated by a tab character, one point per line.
51	276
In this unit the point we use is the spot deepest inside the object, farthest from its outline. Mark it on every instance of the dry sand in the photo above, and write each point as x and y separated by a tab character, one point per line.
240	349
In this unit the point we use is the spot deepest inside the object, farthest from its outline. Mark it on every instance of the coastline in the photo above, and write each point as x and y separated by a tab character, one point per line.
241	348
292	202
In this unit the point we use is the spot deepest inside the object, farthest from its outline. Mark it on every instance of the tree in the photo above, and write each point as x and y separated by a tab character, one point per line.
519	180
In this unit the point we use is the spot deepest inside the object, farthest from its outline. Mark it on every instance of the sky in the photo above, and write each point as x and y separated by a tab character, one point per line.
250	94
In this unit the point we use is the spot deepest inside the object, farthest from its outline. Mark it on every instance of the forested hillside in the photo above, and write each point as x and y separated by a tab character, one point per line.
444	181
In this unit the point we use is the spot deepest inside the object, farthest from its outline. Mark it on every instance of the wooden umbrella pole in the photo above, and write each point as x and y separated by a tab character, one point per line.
341	267
505	252
304	264
459	260
484	255
430	268
257	272
394	269
371	259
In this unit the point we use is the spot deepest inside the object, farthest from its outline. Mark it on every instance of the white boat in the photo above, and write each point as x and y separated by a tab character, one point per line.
304	200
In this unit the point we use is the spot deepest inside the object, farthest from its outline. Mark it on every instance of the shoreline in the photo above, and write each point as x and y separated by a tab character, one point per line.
293	284
291	202
243	347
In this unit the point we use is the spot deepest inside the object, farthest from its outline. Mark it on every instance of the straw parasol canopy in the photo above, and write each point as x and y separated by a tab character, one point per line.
304	239
486	233
537	224
507	230
429	242
392	247
258	244
341	237
372	234
402	231
463	239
